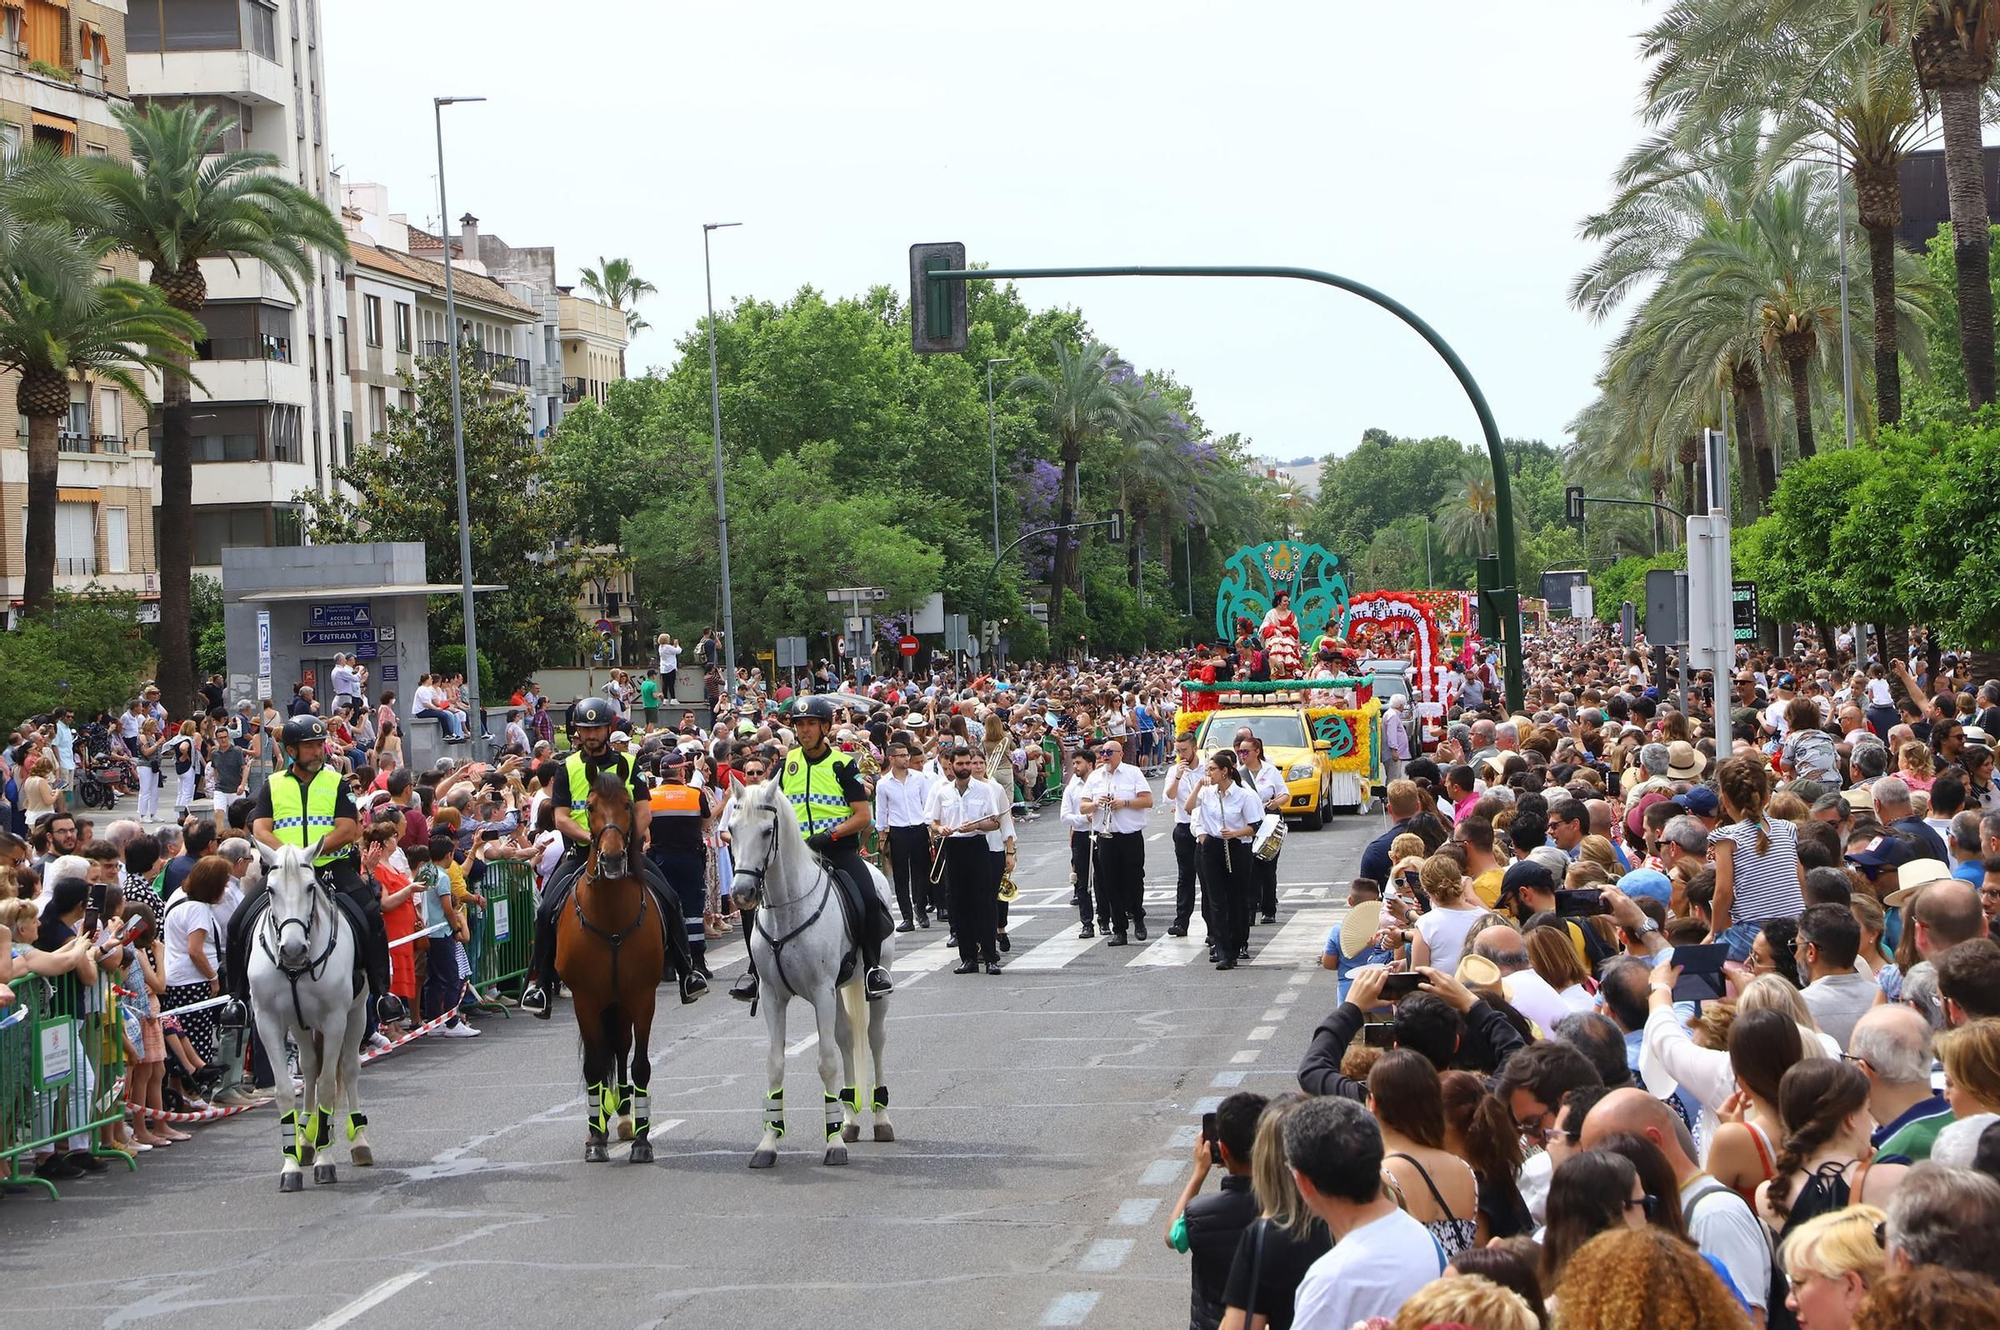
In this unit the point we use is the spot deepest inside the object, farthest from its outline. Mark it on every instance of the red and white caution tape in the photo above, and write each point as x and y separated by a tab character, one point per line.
206	1115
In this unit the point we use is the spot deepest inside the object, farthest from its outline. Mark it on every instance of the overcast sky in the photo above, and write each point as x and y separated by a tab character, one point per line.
1443	154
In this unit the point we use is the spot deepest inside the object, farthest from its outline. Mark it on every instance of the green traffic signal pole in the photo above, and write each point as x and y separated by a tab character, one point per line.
1515	662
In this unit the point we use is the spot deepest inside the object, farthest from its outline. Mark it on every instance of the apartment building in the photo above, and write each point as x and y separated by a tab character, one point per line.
62	71
270	416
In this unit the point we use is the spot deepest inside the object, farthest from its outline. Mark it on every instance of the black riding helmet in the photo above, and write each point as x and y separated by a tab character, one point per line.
302	729
592	711
814	707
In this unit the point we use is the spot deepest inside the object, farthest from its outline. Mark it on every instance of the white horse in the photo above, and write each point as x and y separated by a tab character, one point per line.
799	942
302	985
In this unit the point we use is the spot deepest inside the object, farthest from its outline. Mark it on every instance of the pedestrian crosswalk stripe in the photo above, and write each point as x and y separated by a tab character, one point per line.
1171	951
924	959
1055	953
1301	940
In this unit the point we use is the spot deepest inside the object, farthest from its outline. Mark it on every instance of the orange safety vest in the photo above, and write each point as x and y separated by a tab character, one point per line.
675	801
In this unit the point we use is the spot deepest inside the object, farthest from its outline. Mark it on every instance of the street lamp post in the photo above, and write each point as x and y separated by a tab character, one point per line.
993	448
474	710
721	495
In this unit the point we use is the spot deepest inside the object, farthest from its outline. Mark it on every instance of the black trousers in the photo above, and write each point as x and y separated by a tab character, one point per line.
1121	878
968	872
1226	877
1079	871
869	913
910	866
1264	875
1187	862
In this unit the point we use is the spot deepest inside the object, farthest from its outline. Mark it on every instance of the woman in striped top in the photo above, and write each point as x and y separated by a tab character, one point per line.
1758	875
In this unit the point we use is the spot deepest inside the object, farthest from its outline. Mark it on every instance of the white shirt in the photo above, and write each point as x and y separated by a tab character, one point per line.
997	838
346	683
950	808
1232	810
900	802
1722	1226
1878	693
1370	1272
1072	805
1174	789
1125	783
670	658
1270	782
183	920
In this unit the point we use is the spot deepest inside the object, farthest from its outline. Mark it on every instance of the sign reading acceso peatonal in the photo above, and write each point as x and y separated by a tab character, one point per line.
343	614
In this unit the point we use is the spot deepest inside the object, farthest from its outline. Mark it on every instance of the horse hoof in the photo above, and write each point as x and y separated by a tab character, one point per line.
764	1159
885	1131
323	1174
642	1152
835	1154
595	1153
288	1182
851	1132
362	1156
624	1129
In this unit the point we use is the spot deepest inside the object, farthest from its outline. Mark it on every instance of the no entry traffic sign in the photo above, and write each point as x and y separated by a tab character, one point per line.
907	645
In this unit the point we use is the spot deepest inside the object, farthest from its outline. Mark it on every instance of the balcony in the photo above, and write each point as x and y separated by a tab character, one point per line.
575	390
85	445
513	370
83	567
244	348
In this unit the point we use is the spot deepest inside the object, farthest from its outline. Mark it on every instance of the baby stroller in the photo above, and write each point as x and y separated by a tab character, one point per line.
102	772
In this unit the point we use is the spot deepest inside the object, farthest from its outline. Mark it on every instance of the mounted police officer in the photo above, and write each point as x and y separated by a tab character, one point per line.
834	809
590	724
308	805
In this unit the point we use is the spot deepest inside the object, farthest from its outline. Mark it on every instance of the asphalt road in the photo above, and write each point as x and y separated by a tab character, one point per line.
1045	1119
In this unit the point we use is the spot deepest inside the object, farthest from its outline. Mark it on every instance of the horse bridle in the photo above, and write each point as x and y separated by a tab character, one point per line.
777	944
317	894
613	940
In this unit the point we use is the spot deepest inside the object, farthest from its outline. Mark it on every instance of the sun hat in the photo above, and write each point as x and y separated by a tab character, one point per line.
1685	761
1914	876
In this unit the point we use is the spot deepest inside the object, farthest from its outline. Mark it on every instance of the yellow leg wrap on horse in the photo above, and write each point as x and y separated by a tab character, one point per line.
290	1125
832	1116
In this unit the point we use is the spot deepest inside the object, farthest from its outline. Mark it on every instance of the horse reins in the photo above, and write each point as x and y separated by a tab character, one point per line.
319	893
576	899
777	944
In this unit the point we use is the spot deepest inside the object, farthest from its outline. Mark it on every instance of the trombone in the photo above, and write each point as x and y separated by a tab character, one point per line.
937	856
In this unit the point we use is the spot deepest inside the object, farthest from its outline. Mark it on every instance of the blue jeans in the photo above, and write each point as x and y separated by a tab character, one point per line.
1740	937
448	719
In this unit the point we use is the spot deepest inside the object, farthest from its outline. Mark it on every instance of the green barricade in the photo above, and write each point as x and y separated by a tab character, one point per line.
507	932
62	1070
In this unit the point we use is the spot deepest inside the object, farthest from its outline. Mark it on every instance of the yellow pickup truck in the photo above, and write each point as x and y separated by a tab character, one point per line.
1303	762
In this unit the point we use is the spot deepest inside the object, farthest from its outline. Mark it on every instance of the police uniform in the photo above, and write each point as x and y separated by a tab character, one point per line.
674	844
302	813
571	790
822	792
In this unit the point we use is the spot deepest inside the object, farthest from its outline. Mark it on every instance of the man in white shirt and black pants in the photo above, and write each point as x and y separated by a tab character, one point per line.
1182	776
961	812
1122	792
1083	766
900	797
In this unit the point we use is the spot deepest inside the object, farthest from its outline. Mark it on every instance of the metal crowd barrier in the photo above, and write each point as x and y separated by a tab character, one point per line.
62	1066
507	932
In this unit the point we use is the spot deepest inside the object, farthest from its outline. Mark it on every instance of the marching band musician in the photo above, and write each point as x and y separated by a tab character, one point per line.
1182	776
1226	813
1269	784
900	796
1120	791
999	845
962	810
1082	767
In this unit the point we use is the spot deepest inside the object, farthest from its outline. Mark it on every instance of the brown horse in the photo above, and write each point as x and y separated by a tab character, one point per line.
610	951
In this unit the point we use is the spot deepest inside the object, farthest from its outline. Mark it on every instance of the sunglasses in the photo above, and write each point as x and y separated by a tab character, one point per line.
1646	1203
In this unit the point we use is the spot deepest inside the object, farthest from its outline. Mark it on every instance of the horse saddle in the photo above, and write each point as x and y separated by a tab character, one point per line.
858	894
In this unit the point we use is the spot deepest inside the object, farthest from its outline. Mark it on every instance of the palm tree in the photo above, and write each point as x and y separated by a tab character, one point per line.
59	319
1952	47
1821	81
1084	399
1465	520
184	198
614	282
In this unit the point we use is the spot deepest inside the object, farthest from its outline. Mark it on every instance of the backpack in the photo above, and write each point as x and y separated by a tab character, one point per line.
1777	1316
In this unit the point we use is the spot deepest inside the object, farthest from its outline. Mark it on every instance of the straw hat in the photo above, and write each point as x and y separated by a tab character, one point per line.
1685	761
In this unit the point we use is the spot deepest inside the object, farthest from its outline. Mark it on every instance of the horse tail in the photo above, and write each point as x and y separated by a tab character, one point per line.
853	998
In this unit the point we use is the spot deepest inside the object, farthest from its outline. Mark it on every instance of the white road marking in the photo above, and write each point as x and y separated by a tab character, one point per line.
1183	1137
1156	835
1245	1055
1104	1254
370	1300
1262	1032
1227	1080
1138	1210
1055	953
1301	940
1069	1309
802	1045
1206	1104
721	954
1285	995
1171	951
933	957
1300	979
1161	1172
1273	1014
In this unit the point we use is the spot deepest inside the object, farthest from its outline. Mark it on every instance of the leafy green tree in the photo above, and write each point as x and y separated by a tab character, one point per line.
521	516
1797	575
211	641
1951	550
183	198
1383	479
86	652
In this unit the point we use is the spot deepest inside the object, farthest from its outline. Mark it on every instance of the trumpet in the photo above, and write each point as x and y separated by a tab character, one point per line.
1008	891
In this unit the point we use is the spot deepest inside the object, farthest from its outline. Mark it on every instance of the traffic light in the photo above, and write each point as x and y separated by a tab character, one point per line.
1486	577
937	308
1573	504
1115	533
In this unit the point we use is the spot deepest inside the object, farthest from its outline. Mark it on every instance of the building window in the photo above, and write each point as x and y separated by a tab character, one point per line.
343	344
247	432
406	400
42	31
245	330
77	426
10	27
402	326
57	133
117	542
76	539
111	415
347	438
286	431
217	529
378	411
371	319
203	25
